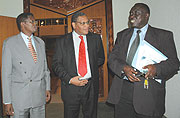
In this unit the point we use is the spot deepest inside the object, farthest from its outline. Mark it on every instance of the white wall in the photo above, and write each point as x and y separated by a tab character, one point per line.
120	14
164	14
11	8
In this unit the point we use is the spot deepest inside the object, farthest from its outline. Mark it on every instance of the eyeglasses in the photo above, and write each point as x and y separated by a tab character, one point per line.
83	23
32	22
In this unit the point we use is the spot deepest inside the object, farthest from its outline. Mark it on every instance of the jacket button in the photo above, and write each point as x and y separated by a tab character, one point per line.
30	80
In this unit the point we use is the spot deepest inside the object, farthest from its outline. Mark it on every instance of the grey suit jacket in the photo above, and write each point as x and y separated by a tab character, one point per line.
24	82
149	102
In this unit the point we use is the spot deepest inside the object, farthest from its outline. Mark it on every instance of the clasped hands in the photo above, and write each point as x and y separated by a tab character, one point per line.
131	72
77	82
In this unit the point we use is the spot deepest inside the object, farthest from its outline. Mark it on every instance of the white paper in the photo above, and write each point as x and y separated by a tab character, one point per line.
147	54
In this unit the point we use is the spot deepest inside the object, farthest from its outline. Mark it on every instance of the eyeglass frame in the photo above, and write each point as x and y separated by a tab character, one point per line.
83	23
32	22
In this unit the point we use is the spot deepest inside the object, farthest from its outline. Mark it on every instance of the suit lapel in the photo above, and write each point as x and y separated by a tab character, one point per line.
89	48
38	50
23	50
70	48
151	38
127	41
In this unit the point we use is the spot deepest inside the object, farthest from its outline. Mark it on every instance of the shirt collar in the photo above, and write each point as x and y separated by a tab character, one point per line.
77	35
143	29
24	36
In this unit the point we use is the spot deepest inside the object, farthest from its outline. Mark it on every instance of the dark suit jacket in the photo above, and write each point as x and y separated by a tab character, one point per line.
64	64
149	102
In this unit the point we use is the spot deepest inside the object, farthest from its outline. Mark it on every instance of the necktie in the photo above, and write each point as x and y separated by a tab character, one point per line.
82	65
32	51
133	48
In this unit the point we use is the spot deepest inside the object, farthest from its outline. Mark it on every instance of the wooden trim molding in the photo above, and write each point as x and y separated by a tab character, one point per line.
110	38
26	5
109	24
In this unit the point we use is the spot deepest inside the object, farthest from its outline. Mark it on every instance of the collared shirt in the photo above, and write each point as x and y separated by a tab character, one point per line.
77	41
142	35
26	40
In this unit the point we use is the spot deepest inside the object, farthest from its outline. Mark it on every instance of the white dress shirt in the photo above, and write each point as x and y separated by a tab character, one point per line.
26	40
77	41
141	36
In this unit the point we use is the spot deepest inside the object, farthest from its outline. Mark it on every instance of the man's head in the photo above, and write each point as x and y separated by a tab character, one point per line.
26	23
80	23
139	15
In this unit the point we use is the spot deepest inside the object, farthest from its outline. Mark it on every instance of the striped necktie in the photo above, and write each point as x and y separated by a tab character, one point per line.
31	49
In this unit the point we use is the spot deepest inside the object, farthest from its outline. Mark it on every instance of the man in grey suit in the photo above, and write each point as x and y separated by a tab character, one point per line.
136	95
25	75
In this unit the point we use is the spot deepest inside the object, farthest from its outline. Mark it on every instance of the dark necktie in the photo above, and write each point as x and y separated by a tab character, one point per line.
32	50
133	48
82	65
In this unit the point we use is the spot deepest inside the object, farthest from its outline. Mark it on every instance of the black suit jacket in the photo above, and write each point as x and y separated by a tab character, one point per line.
64	64
149	102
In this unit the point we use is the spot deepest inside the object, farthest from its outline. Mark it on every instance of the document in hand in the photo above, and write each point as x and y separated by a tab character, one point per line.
147	54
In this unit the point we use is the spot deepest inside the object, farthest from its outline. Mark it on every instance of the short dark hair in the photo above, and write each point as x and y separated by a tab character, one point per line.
21	18
144	6
76	15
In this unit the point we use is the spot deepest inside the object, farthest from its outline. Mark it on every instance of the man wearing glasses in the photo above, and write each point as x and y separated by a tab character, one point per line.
76	60
25	75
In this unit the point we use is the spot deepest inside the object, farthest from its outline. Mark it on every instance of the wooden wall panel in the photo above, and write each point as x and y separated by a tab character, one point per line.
52	30
42	13
95	10
8	28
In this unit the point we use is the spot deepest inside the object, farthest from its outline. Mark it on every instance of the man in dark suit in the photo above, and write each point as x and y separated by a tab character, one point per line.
76	60
136	95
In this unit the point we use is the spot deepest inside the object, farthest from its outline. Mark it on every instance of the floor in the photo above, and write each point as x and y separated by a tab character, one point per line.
55	110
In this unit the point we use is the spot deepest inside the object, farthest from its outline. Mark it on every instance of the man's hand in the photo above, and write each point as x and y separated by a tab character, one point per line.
75	81
9	109
48	96
151	71
130	73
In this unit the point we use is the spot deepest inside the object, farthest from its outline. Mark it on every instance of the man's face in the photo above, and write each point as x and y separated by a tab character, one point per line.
29	26
138	18
81	26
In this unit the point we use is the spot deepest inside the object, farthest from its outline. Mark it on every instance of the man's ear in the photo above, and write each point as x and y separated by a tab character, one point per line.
22	25
147	15
73	25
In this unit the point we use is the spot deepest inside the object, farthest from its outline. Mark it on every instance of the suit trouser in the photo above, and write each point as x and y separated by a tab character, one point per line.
85	98
36	112
125	108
